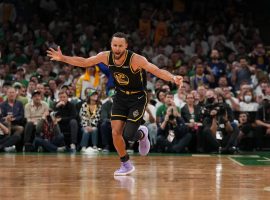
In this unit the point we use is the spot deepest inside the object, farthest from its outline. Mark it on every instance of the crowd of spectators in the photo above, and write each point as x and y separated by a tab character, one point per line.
223	105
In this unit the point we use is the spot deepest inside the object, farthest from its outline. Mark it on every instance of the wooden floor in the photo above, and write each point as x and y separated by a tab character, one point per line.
65	176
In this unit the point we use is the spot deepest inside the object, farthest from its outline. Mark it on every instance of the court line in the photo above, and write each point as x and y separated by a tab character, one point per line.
230	158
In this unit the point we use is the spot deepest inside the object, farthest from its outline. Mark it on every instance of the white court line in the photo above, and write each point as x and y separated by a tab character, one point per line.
266	160
200	155
235	161
242	156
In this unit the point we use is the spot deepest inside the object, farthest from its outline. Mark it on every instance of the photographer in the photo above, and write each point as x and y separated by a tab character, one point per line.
48	134
173	135
218	134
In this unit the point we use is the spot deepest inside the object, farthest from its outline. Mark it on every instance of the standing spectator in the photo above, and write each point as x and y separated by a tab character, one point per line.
241	73
217	67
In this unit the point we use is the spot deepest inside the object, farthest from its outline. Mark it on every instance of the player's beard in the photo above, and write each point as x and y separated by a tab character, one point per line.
118	56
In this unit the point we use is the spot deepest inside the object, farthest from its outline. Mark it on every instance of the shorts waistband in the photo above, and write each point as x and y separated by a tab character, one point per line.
130	92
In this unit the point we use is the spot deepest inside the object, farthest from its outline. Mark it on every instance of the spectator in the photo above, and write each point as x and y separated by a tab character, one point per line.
48	134
12	114
173	135
90	118
90	79
68	123
263	122
34	111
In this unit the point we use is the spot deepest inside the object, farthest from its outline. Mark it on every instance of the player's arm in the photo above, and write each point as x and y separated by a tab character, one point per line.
77	61
140	61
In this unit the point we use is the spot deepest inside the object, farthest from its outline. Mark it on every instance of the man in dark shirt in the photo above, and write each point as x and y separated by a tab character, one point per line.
262	121
66	111
12	114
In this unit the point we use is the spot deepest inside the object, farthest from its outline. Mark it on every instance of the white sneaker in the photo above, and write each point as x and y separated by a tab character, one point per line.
90	150
61	149
10	149
83	149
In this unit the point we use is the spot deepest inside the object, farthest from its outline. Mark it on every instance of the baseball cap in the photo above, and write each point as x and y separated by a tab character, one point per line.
91	92
35	92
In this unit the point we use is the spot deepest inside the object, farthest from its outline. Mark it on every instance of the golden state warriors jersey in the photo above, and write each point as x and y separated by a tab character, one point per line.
124	76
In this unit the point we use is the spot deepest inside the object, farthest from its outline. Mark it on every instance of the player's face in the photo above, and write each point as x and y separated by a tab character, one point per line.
118	45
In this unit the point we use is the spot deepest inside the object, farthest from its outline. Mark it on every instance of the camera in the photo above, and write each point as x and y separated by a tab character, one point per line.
219	107
52	115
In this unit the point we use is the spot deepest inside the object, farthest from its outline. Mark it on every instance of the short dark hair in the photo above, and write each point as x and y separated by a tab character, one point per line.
120	35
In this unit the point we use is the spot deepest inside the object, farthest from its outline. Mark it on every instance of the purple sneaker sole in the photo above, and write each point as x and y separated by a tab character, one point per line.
144	144
125	169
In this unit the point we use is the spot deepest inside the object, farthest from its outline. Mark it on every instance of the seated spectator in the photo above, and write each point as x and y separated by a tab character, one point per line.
190	114
34	111
41	88
68	123
263	122
90	117
161	110
246	129
173	135
241	73
249	103
49	136
12	114
200	77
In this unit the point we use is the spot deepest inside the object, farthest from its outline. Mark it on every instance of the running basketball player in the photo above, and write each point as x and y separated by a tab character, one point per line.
128	70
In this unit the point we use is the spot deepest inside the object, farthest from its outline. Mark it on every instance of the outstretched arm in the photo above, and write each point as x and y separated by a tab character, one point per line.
77	61
141	62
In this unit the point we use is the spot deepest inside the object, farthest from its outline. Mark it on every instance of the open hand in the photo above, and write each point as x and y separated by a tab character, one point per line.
178	80
55	54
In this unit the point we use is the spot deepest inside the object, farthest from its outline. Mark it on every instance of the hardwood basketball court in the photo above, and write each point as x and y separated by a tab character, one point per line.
157	176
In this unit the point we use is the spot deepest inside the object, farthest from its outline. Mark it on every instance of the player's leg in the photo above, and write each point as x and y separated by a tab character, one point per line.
117	134
134	131
119	144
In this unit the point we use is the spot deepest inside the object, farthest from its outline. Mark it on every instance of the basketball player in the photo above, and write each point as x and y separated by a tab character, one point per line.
128	70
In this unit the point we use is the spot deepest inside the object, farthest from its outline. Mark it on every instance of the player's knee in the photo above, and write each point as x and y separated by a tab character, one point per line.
130	131
116	132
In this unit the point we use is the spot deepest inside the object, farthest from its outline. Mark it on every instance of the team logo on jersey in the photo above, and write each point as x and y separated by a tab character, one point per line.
121	78
135	113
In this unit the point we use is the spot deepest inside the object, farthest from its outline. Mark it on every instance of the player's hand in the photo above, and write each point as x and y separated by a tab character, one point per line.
55	54
178	80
